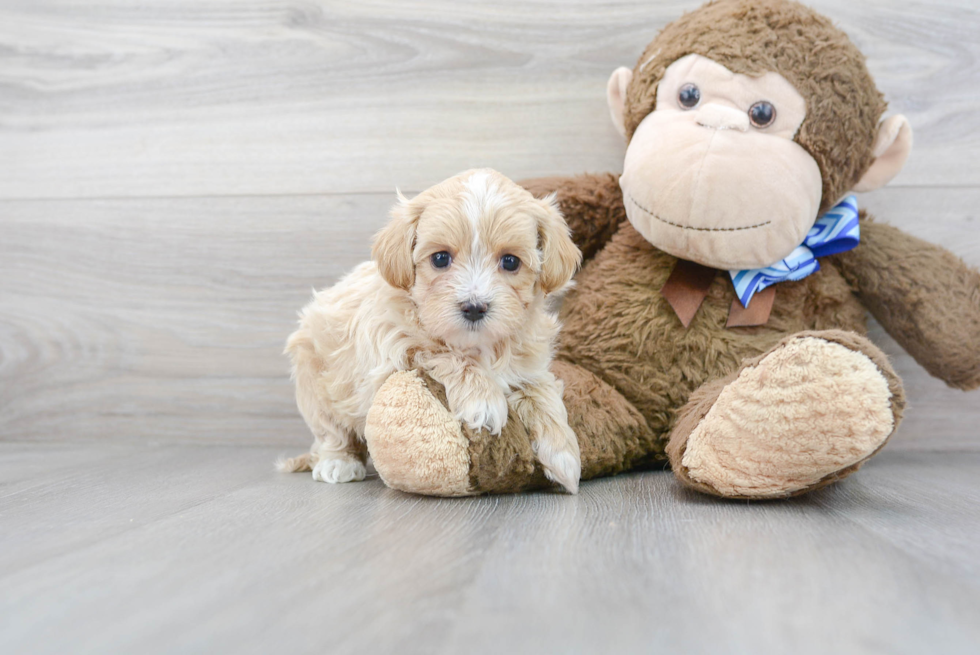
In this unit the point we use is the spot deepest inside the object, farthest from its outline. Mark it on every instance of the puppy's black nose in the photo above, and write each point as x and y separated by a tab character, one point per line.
474	311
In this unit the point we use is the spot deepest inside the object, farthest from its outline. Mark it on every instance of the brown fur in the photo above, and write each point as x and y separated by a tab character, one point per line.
591	204
612	435
927	298
642	349
924	296
632	373
755	36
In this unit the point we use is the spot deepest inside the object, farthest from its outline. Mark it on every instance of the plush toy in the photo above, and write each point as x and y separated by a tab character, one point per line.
719	319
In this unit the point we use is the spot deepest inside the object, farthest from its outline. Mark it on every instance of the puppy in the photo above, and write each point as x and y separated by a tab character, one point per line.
457	286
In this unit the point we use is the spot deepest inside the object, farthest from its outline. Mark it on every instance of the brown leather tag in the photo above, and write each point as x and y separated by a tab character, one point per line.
687	287
757	313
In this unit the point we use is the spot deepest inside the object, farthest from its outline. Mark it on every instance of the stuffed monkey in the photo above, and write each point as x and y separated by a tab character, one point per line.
719	319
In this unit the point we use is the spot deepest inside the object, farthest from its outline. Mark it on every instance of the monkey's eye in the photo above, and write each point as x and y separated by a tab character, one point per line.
762	114
441	259
689	96
510	263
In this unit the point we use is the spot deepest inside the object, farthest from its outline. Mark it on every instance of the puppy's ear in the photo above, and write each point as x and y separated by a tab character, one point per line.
560	256
392	249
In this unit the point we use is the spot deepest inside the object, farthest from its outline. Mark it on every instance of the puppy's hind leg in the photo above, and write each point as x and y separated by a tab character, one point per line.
337	455
340	456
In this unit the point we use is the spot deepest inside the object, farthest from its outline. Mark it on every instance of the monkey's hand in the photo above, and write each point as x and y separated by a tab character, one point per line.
926	297
591	204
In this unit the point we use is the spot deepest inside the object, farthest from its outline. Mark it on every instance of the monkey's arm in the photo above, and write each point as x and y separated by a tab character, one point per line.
591	204
926	297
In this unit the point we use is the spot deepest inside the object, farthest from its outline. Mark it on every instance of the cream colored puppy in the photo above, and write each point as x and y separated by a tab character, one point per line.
457	286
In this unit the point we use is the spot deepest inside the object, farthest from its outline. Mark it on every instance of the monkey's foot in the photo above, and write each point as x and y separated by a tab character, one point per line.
807	413
419	446
416	443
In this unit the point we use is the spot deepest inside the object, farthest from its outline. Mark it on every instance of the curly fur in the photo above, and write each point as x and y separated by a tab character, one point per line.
401	310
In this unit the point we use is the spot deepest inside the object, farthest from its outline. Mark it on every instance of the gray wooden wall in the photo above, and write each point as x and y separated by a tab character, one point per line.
176	175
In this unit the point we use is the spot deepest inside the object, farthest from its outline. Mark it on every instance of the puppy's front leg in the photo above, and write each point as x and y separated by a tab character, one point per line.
473	394
540	407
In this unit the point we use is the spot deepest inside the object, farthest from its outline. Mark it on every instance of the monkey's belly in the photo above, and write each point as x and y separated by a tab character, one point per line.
618	326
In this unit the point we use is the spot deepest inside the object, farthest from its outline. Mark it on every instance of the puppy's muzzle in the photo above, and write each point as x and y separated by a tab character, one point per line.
474	311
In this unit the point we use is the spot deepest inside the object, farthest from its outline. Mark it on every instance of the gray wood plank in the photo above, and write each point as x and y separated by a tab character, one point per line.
92	505
696	576
165	318
898	507
280	97
271	562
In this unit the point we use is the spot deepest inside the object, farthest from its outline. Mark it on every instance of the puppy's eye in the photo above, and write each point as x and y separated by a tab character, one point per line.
510	263
689	96
762	113
441	259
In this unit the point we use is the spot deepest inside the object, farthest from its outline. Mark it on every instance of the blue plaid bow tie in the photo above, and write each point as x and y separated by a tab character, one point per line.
834	232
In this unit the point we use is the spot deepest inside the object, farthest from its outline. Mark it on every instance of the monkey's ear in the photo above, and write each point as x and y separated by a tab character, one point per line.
560	256
891	150
392	248
616	96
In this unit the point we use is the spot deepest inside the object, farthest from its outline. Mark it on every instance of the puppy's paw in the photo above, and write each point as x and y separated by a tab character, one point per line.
480	413
339	470
562	462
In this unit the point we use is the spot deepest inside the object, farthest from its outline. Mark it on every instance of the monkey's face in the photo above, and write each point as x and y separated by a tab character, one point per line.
713	175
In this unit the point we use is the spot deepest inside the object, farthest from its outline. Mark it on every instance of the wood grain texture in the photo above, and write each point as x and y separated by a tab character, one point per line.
175	177
243	97
165	318
192	549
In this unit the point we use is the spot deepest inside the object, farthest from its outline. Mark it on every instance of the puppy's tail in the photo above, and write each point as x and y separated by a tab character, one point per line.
304	462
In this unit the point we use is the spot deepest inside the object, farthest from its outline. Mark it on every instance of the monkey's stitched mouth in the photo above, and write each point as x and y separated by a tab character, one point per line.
689	227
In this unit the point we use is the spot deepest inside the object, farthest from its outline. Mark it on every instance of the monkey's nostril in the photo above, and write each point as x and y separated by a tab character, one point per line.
473	311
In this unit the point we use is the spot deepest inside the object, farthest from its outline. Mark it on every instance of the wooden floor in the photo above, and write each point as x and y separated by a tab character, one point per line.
176	175
136	549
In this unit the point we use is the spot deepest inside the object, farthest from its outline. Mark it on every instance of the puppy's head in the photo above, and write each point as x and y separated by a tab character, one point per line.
477	253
